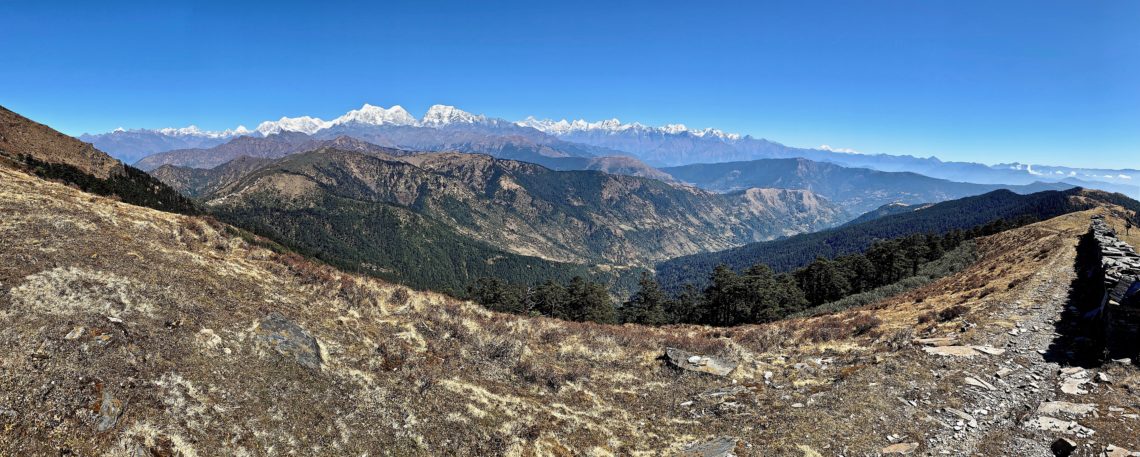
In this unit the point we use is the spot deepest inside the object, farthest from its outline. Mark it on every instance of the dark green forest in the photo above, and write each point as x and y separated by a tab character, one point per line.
396	244
757	294
134	186
790	253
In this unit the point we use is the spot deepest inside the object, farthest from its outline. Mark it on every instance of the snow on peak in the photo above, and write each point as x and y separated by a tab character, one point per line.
843	150
304	124
564	127
377	115
440	115
192	130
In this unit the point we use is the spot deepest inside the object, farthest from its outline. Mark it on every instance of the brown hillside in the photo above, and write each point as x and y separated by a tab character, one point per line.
136	332
22	136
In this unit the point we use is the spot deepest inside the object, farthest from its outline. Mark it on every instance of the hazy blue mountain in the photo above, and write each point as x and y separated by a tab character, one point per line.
858	190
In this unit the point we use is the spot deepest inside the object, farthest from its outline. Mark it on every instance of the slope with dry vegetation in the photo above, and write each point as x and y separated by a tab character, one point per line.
133	331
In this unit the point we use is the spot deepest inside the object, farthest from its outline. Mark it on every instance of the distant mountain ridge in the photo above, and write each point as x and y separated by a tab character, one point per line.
857	189
443	220
576	216
670	145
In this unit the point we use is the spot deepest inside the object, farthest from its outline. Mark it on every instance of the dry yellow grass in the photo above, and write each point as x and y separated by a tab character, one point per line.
171	311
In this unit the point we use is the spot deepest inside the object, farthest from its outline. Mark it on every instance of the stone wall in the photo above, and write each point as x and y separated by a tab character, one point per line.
1119	269
1119	263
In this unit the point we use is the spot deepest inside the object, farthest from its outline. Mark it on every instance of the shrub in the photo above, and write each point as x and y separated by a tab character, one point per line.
864	323
900	339
952	313
826	329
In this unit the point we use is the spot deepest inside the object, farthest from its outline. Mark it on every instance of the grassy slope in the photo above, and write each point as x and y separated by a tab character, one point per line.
421	374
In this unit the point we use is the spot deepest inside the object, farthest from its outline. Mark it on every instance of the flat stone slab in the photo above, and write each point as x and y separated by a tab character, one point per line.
699	363
937	341
900	449
1064	407
972	381
1052	424
953	351
721	446
1072	386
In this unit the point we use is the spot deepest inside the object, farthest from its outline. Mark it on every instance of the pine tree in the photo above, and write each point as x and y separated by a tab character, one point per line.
551	299
589	301
647	306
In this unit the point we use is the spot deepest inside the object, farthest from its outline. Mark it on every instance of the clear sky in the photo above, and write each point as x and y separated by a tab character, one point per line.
988	81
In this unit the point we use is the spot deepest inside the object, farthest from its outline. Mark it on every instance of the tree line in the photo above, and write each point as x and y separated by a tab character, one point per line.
757	294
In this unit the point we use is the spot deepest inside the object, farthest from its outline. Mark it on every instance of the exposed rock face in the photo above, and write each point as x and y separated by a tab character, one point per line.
20	135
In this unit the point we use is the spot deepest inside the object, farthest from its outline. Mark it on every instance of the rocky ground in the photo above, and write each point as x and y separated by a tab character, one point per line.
135	332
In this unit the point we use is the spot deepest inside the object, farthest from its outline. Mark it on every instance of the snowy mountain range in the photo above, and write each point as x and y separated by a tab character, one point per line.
445	127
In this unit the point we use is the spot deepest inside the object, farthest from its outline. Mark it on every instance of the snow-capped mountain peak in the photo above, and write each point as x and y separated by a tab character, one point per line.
191	131
564	127
440	115
377	115
304	124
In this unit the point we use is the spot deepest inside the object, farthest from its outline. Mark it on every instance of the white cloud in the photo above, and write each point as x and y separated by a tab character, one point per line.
843	150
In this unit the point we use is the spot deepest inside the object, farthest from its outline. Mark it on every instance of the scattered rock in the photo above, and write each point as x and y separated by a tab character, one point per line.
721	446
75	333
110	409
970	380
703	364
1117	451
1072	386
289	339
1063	447
973	423
989	350
901	448
1103	378
1053	424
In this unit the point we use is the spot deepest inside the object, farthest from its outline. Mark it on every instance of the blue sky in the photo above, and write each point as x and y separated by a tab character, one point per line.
1033	81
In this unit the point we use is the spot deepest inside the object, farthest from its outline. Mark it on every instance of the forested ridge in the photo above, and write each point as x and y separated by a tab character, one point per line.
757	294
133	186
786	254
396	244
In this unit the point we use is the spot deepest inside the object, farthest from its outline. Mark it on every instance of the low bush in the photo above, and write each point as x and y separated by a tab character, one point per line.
952	313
